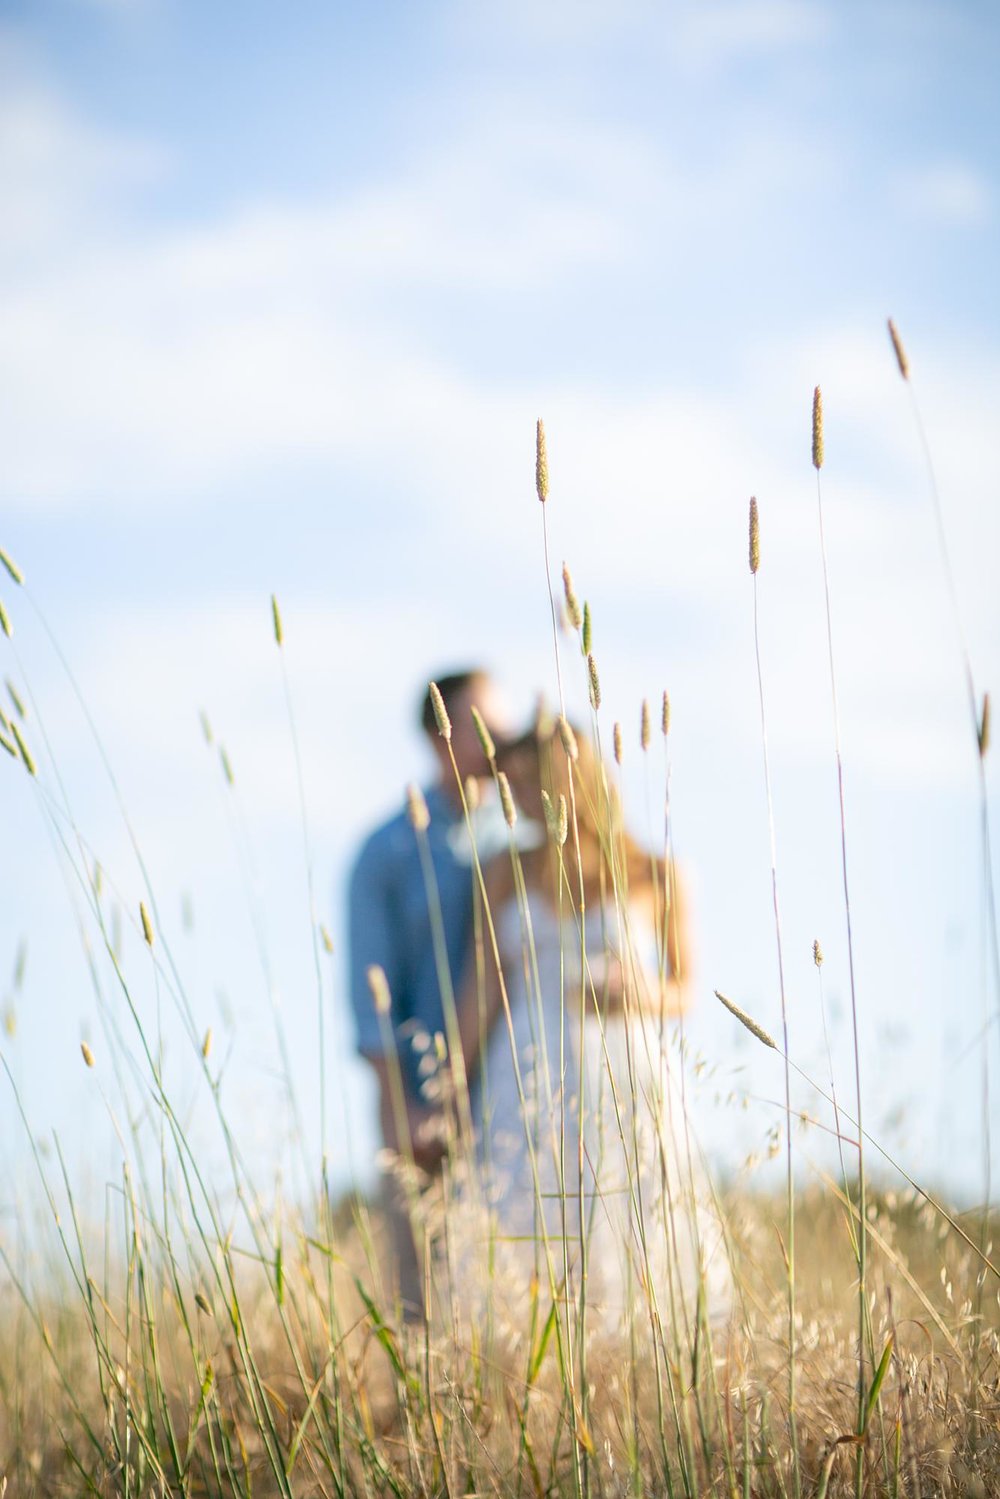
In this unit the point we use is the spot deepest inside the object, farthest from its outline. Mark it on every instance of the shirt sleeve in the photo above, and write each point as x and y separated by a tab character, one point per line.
372	938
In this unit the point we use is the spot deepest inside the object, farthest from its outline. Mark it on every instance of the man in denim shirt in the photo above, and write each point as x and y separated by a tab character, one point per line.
390	925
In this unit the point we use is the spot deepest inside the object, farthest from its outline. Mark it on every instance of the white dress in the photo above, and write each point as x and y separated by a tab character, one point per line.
586	1159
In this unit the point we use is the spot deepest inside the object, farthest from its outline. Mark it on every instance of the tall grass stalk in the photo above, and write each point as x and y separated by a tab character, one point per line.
754	555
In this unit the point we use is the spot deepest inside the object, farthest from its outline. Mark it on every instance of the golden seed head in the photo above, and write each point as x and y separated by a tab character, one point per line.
594	683
485	737
279	633
754	536
587	633
562	821
541	462
506	799
87	1054
644	729
416	809
5	623
744	1019
549	811
617	739
11	566
325	938
379	986
472	797
900	352
440	712
984	726
665	715
147	925
203	1304
10	1021
8	744
206	1045
568	738
227	764
817	954
817	428
15	698
25	753
573	612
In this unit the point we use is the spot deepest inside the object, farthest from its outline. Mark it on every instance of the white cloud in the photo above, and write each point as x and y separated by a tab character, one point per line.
946	194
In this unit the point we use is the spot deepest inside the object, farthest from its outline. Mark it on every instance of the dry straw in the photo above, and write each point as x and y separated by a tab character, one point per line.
754	536
11	567
573	610
416	809
147	925
900	352
379	986
817	453
440	712
594	683
279	633
745	1019
541	462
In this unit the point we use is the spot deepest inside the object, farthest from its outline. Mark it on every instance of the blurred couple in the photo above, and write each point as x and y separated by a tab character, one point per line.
583	1159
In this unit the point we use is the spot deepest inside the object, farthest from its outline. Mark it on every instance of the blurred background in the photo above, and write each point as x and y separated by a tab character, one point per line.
282	294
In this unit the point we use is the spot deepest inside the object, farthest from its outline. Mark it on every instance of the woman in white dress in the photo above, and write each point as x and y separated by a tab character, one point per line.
586	1161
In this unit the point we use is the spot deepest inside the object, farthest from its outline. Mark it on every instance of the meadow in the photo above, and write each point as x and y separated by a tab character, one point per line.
203	1339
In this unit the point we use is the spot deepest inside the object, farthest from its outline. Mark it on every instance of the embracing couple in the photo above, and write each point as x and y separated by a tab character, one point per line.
583	1154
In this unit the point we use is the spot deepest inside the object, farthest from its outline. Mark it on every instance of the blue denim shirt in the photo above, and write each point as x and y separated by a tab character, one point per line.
390	924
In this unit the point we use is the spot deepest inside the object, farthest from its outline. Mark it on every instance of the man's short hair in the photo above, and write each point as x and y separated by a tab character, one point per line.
451	687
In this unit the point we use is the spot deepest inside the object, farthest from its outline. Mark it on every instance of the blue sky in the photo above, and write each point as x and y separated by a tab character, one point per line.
281	297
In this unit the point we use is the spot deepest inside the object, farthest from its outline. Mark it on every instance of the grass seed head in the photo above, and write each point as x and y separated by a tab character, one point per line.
440	712
506	799
203	1303
206	1045
562	821
567	738
587	632
25	752
541	462
325	938
11	567
206	727
573	611
754	536
87	1054
484	735
594	683
16	699
416	809
472	796
900	352
817	954
8	743
665	714
5	623
984	726
379	986
817	453
227	765
644	725
617	740
147	925
745	1019
279	633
